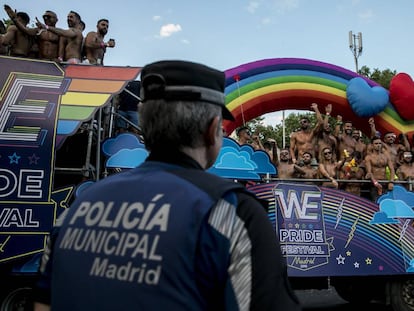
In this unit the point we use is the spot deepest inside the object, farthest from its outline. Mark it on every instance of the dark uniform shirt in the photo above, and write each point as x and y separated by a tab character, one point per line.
165	236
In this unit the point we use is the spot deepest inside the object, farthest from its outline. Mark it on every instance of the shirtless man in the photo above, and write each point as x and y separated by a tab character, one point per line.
376	163
307	171
243	135
270	147
95	47
301	141
73	35
393	148
353	170
329	168
285	169
47	41
346	143
406	170
4	50
19	42
323	135
360	146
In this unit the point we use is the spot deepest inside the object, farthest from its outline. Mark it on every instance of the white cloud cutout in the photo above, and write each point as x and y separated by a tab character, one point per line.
169	29
252	6
156	18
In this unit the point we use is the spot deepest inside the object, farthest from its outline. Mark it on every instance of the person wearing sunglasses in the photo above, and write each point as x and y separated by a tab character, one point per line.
328	168
71	39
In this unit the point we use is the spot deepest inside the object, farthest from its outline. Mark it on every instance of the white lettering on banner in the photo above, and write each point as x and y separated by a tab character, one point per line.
15	217
129	215
28	183
302	236
128	273
303	262
30	186
302	206
303	250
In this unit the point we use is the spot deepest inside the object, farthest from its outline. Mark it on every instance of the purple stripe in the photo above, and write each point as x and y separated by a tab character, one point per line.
294	62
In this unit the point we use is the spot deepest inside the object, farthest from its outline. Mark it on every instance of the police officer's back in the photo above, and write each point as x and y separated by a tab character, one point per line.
167	235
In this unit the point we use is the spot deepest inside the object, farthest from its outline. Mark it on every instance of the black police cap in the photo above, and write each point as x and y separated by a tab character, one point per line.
186	81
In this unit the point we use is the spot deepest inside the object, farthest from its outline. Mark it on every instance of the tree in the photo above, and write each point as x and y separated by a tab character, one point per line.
381	77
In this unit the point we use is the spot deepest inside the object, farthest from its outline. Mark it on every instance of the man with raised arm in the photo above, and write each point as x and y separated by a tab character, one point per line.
73	38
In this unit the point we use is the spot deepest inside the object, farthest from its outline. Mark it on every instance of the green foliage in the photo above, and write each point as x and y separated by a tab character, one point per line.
381	77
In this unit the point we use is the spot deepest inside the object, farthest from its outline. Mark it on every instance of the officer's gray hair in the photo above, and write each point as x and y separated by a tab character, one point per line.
175	124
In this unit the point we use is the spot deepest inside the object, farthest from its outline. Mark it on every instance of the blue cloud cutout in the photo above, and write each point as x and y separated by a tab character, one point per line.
382	218
122	141
399	192
127	158
411	266
241	162
396	209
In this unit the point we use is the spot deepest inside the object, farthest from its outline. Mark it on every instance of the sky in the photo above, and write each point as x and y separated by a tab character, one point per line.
227	33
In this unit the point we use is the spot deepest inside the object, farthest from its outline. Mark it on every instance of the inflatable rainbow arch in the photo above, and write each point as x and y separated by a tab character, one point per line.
269	85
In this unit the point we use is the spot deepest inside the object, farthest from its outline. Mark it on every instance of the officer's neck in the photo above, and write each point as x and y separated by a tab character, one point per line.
199	155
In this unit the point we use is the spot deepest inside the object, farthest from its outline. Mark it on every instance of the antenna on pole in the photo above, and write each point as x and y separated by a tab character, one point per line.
355	45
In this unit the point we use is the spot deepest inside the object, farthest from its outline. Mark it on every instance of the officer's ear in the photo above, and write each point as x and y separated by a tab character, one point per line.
214	131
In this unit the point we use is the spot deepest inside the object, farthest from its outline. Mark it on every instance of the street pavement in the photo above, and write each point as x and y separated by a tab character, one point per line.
328	299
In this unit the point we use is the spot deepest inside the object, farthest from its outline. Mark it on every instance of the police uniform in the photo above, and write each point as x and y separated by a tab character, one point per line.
165	236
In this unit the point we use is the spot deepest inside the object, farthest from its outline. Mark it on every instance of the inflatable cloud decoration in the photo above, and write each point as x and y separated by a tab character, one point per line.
366	101
402	95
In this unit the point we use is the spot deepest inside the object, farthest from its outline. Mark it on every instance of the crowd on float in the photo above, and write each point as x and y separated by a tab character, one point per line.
340	155
48	42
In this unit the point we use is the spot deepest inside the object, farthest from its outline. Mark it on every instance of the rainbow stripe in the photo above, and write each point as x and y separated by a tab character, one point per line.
89	88
268	85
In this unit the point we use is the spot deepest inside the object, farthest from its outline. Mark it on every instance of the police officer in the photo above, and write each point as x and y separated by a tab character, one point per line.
167	235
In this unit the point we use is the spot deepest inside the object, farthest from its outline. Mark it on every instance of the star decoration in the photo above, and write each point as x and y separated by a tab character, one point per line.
33	159
356	265
340	259
290	225
368	261
348	253
297	226
303	226
14	158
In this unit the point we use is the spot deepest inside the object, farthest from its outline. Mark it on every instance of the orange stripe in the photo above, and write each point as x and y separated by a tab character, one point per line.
102	72
285	100
95	86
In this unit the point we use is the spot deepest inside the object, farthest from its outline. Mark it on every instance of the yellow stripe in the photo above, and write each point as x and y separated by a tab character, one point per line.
85	99
284	87
401	127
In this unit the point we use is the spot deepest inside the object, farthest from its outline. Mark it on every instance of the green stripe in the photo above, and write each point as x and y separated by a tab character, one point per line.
280	80
75	112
